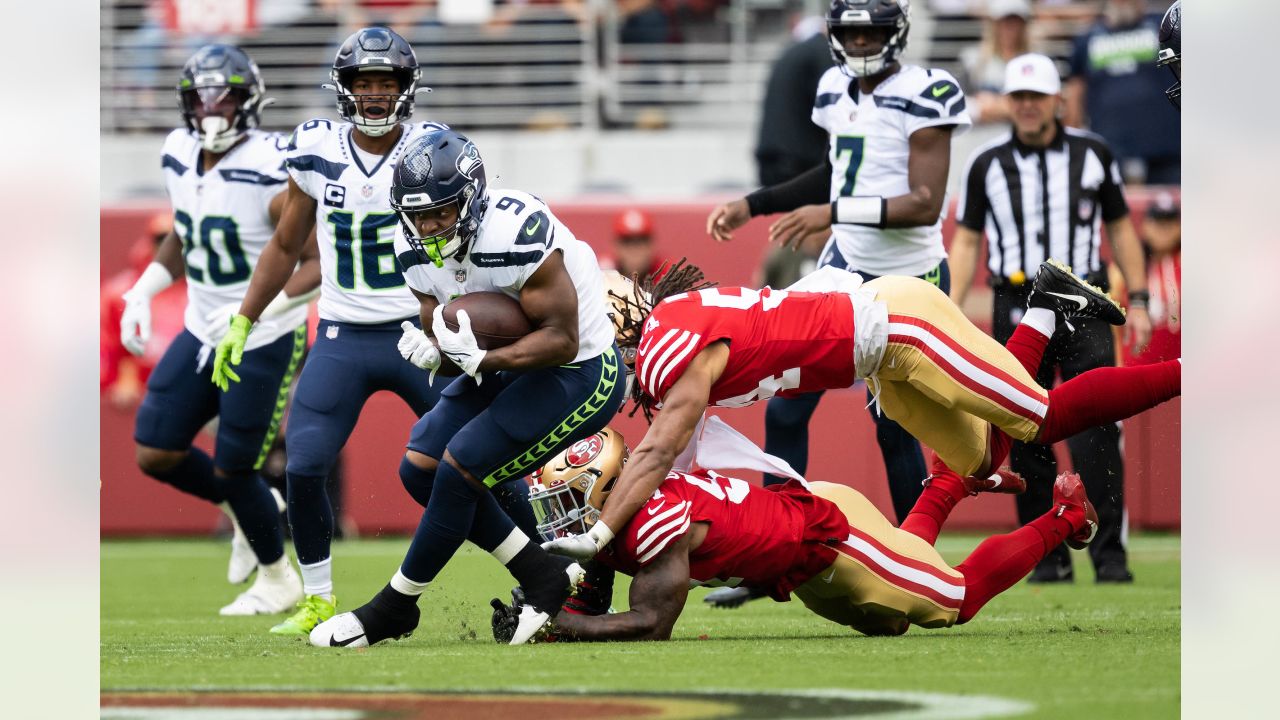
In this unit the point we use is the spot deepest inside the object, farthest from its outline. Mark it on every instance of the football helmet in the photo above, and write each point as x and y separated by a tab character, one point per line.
375	49
440	168
1171	50
568	493
221	96
893	15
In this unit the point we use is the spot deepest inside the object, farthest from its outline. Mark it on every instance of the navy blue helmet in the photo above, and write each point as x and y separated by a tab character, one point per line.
375	49
1171	50
440	168
221	95
894	16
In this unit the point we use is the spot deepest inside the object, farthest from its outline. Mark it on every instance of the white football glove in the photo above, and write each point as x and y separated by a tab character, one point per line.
135	322
218	321
460	347
581	547
418	349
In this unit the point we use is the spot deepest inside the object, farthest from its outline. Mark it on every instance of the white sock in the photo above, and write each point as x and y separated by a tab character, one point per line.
405	586
317	578
277	570
1042	320
514	543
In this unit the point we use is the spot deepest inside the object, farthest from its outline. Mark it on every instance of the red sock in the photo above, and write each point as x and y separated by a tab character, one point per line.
1105	395
1027	345
1002	560
944	490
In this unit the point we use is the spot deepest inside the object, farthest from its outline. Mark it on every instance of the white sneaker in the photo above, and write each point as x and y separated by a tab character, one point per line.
341	630
274	591
243	561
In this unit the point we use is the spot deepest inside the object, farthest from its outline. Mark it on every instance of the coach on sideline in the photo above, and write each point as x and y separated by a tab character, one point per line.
1044	191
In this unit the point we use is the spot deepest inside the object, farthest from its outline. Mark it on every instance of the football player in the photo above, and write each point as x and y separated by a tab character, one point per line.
518	405
1171	50
944	380
225	180
881	191
339	184
822	541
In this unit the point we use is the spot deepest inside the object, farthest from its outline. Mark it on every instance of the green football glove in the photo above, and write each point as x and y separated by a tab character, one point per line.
230	352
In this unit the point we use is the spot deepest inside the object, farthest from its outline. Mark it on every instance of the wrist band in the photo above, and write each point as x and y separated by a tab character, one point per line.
1139	298
601	534
866	210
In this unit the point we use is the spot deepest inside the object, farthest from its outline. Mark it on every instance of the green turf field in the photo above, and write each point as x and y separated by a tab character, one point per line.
1070	652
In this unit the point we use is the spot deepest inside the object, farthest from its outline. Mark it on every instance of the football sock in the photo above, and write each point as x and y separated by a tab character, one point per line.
310	517
940	496
317	578
1002	560
389	614
1105	395
255	508
445	524
195	476
1028	341
903	462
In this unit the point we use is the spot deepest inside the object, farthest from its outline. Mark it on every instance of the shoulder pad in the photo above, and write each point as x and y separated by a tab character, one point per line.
310	133
175	150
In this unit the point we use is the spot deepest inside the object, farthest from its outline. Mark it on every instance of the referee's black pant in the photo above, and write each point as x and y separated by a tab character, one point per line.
1095	453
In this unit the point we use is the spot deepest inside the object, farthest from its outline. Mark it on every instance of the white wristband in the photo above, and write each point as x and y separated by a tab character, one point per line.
154	279
600	534
859	210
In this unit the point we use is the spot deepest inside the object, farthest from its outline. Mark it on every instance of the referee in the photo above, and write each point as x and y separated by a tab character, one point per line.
1044	191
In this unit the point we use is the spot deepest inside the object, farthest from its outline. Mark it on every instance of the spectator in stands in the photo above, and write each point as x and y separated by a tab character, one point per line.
643	22
1116	90
1162	241
123	377
1005	35
633	251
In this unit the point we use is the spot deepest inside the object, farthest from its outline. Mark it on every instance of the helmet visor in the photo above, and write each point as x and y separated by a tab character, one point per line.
560	510
222	101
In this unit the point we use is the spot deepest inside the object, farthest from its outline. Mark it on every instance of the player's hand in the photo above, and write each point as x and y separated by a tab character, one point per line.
230	351
218	321
418	349
135	322
460	347
1137	329
791	230
726	218
577	547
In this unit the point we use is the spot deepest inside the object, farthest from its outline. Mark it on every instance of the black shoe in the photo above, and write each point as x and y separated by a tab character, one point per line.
545	596
732	597
388	616
1113	573
1051	572
1060	290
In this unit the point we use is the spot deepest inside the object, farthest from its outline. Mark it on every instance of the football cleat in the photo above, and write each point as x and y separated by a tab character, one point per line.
1068	492
312	611
342	630
271	593
732	597
243	562
1060	290
545	600
1003	481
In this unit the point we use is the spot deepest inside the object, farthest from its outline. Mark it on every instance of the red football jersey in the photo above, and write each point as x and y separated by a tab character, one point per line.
774	538
780	343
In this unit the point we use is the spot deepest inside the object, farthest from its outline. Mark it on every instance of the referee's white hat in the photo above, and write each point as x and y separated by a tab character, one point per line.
1032	73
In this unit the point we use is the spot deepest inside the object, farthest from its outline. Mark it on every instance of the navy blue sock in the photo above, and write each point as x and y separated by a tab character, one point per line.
786	431
310	517
513	497
194	476
255	508
445	524
903	464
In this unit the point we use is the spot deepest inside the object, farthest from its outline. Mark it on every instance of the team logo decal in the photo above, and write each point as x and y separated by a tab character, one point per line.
469	160
584	451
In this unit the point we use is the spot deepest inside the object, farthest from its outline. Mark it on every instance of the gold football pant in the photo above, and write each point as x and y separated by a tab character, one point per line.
883	578
946	381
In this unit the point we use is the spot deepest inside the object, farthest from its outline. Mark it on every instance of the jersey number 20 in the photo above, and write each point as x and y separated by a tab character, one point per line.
215	270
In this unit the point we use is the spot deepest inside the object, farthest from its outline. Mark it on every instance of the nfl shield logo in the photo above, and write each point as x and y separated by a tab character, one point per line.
367	191
460	275
331	332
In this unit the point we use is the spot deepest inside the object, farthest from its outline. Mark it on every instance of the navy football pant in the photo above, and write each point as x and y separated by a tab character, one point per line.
348	363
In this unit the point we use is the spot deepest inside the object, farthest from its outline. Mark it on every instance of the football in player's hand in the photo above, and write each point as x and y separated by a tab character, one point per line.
496	319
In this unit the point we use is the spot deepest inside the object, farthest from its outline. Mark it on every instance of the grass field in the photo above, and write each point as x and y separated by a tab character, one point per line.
1067	652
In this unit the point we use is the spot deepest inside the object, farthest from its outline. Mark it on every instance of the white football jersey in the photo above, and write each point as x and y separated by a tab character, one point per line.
355	226
869	149
222	217
517	234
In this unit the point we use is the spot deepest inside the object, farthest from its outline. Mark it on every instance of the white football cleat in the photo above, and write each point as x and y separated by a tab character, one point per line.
341	630
277	589
243	562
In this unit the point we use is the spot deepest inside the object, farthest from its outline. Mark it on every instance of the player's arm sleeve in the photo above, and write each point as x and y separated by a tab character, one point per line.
811	187
971	207
941	103
1111	191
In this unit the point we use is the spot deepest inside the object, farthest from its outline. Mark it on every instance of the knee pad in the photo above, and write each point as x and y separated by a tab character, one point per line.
416	481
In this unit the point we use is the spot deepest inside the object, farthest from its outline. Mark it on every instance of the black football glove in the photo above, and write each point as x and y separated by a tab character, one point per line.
506	617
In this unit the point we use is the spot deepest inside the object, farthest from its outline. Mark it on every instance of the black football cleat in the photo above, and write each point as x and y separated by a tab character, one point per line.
1058	289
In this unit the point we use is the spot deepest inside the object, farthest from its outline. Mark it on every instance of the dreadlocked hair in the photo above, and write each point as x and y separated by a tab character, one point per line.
650	290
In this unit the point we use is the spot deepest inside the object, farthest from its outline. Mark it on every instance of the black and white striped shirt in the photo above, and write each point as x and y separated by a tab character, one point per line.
1041	203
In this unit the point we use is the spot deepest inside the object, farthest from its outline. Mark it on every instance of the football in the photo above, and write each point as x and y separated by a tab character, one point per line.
496	319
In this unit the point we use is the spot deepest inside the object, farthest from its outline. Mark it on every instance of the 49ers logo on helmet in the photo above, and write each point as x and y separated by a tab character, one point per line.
584	451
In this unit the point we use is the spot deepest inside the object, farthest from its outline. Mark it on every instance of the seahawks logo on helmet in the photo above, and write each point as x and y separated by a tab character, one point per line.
469	160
